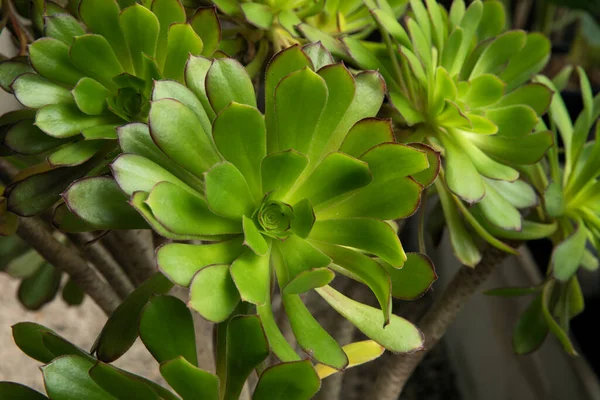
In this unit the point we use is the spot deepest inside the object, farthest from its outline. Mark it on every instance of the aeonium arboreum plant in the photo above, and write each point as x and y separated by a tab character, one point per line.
458	82
166	329
287	22
303	192
88	75
572	201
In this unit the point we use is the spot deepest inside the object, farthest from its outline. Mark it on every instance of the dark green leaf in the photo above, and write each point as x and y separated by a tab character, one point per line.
40	288
167	329
288	381
188	381
121	329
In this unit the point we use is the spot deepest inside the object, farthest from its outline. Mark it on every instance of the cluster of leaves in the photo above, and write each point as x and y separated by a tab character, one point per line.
91	72
142	100
166	328
286	22
458	82
571	195
304	191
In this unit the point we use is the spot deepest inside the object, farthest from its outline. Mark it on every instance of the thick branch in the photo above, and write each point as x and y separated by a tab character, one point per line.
37	234
105	264
134	251
434	324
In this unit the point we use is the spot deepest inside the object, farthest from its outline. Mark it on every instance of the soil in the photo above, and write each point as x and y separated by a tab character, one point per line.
80	325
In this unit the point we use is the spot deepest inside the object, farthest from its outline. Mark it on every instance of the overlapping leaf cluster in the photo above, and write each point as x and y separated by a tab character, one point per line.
91	72
287	22
459	82
166	328
305	190
572	200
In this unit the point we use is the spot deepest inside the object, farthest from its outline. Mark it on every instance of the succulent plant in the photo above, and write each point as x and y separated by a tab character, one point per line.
88	75
306	190
458	82
166	329
572	201
287	22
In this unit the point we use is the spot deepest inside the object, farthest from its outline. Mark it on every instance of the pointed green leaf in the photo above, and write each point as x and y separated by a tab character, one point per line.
167	330
370	235
534	95
318	54
140	29
168	12
498	210
213	293
251	274
74	154
10	69
277	342
415	277
288	381
304	218
135	138
366	134
463	245
461	176
50	58
531	329
366	270
517	151
120	384
40	191
121	330
253	238
259	15
298	256
134	173
247	347
178	133
513	121
528	61
312	338
283	63
189	381
181	43
166	89
102	17
336	175
484	90
28	337
180	262
308	280
63	27
499	51
67	378
567	255
27	139
240	136
299	101
206	24
399	336
34	91
90	96
93	55
183	213
63	121
227	192
279	172
196	70
227	81
518	193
